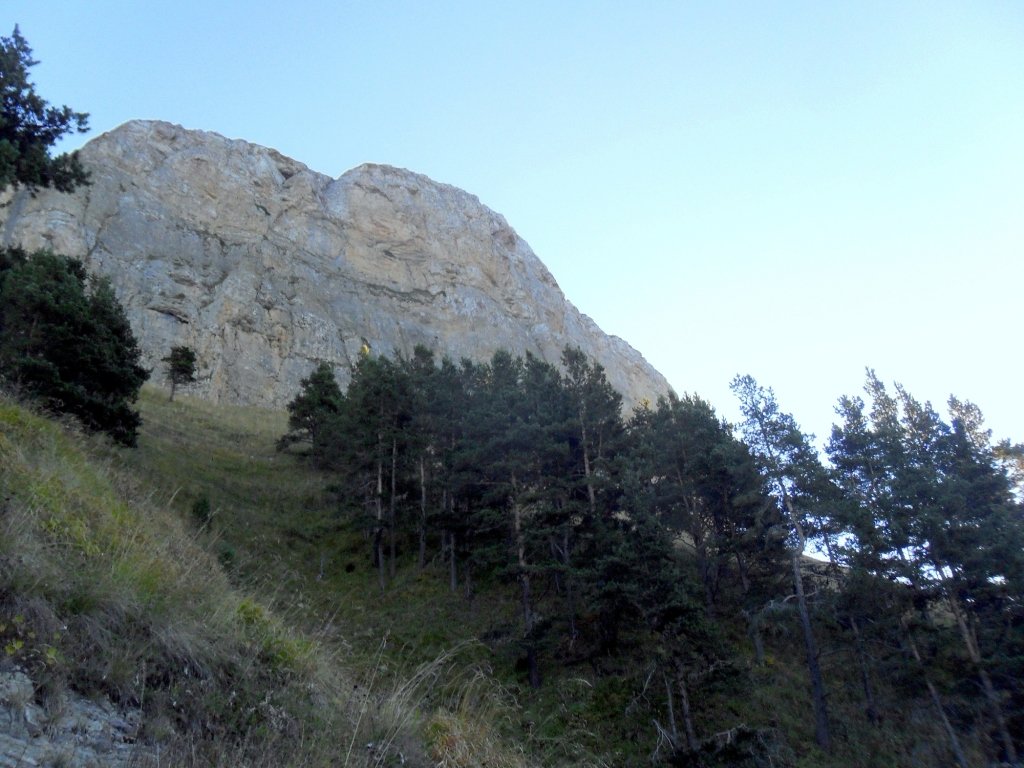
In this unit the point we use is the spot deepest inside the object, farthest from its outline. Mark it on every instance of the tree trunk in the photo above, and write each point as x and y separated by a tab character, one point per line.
391	506
753	618
754	630
870	707
423	515
378	536
591	494
674	733
821	731
865	675
684	700
524	583
559	557
704	566
974	653
453	581
954	742
570	596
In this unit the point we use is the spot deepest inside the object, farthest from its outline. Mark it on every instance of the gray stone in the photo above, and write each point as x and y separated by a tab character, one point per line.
265	267
77	733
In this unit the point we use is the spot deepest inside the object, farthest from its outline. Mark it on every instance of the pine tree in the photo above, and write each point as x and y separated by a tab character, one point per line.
311	412
934	508
790	464
66	342
367	448
181	368
29	127
449	408
597	411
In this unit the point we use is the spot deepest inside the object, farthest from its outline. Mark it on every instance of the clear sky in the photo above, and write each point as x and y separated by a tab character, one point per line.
795	190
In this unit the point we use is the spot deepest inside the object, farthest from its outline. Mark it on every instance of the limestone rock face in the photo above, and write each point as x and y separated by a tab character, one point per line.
265	267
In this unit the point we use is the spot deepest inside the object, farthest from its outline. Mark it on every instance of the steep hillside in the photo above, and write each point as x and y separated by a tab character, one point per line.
136	631
265	267
201	601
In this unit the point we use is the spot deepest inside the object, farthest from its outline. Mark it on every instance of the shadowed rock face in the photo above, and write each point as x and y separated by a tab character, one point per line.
265	267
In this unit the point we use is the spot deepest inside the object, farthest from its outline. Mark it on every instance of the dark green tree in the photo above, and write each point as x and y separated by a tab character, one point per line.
65	342
424	435
448	401
367	448
641	577
181	367
586	428
597	413
318	402
708	489
30	127
504	436
934	508
794	478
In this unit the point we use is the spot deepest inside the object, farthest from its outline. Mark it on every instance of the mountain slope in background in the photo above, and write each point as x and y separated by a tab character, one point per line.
265	267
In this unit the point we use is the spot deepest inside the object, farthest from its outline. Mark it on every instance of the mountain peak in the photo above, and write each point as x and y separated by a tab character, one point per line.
265	267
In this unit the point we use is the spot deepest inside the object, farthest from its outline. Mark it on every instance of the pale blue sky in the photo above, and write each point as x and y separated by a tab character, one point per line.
794	190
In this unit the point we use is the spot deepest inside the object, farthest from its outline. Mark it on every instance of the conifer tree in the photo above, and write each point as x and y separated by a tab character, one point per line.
935	509
181	367
30	127
708	488
370	444
312	411
506	436
429	412
449	408
791	466
597	410
66	342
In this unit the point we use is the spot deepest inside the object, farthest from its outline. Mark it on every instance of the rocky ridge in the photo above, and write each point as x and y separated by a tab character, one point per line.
265	267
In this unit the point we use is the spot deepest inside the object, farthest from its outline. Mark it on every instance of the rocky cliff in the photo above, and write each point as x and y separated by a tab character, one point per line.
265	267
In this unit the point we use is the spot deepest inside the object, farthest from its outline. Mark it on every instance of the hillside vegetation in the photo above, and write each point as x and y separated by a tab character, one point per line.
111	587
219	586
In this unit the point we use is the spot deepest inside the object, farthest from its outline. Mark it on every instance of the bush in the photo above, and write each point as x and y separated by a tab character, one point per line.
66	344
202	513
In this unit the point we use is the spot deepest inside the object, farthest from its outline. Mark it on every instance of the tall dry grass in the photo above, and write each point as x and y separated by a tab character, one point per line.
111	590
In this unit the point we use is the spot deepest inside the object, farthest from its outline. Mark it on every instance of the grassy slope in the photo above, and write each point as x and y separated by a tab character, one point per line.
108	587
276	519
275	601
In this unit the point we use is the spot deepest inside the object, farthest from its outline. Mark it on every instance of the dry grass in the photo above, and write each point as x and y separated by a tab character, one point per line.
105	590
110	588
466	730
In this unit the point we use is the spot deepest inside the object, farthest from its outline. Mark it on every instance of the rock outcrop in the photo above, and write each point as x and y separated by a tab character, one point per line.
74	732
265	267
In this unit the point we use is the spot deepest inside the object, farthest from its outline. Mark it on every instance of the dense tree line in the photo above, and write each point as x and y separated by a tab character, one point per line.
659	529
